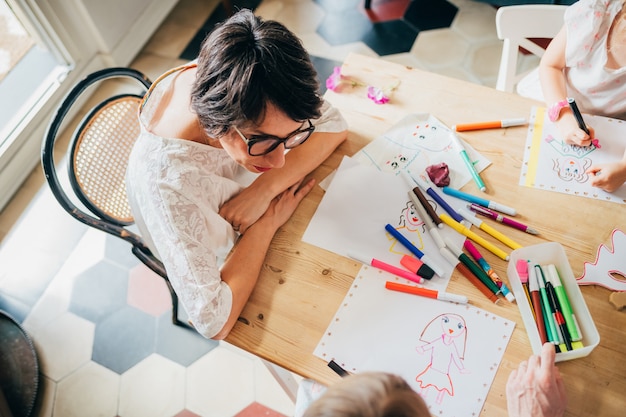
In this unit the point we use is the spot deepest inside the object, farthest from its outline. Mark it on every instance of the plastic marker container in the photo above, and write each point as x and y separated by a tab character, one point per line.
545	254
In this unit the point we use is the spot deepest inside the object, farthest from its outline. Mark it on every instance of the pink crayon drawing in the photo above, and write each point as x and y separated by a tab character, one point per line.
445	338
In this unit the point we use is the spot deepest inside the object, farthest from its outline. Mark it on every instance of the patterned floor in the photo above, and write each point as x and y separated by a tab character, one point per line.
100	320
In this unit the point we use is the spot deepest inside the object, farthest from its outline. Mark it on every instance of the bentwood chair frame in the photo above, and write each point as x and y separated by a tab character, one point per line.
98	155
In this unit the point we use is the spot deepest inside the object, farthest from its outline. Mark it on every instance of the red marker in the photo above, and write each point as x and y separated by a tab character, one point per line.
536	304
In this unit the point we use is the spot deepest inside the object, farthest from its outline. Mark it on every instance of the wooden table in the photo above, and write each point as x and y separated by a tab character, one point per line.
301	286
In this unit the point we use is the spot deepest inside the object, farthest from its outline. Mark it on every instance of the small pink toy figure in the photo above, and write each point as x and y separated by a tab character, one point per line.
445	337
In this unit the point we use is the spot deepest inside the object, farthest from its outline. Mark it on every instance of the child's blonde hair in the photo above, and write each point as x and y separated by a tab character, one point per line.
369	394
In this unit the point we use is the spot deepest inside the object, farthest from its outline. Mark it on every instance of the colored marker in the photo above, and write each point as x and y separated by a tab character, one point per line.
495	124
478	257
426	292
522	273
558	316
501	219
417	267
577	115
533	288
458	146
469	216
388	268
432	227
338	369
463	264
426	205
568	314
468	233
424	209
415	251
551	330
429	190
477	200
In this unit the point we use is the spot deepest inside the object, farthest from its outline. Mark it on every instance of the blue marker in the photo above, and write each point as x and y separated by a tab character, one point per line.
429	190
480	201
415	251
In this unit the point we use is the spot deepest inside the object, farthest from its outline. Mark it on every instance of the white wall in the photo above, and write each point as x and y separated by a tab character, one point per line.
122	27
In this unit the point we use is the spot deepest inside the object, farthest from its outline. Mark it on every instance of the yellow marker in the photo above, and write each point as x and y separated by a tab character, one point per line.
500	236
468	233
471	217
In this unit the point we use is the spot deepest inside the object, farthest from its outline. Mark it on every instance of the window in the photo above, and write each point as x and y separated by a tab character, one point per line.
61	42
27	68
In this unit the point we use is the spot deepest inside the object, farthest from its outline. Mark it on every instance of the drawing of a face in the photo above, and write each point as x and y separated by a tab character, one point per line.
429	137
571	169
452	325
397	162
412	221
449	328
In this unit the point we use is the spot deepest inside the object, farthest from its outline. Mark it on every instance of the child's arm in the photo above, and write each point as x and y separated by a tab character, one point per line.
555	91
608	177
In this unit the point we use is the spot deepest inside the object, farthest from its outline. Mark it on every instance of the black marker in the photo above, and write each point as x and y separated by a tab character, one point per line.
338	369
577	115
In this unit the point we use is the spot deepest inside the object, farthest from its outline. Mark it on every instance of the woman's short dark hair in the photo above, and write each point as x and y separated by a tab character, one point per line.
246	63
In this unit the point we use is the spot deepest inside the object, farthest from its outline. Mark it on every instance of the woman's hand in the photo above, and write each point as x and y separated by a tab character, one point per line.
536	388
284	204
244	209
250	205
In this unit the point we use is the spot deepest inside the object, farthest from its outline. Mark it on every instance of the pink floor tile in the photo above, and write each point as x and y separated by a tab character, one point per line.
385	10
186	413
147	291
258	410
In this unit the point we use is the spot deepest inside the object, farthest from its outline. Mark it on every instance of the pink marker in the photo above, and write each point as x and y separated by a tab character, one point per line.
386	267
501	219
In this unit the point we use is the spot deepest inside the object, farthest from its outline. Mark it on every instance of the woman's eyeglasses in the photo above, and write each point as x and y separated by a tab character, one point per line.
263	144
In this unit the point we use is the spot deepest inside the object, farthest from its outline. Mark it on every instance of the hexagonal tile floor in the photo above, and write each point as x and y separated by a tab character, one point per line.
452	37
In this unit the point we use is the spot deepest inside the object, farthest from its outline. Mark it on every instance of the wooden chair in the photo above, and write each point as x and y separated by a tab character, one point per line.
97	159
516	25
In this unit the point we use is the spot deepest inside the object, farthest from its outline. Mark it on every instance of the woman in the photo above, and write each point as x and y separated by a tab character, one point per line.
210	166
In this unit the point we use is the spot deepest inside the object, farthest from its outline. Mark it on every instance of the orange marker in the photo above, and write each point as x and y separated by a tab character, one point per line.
496	124
425	292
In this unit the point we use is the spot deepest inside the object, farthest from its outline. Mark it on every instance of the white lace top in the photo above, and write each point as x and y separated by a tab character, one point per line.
175	188
596	88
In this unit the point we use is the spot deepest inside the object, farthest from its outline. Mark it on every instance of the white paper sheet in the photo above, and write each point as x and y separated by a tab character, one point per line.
376	329
416	142
351	218
552	165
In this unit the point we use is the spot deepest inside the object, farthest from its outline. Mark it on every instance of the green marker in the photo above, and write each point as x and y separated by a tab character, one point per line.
553	334
566	307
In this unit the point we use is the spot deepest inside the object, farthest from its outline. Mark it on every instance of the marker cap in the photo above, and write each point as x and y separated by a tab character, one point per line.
416	266
455	298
